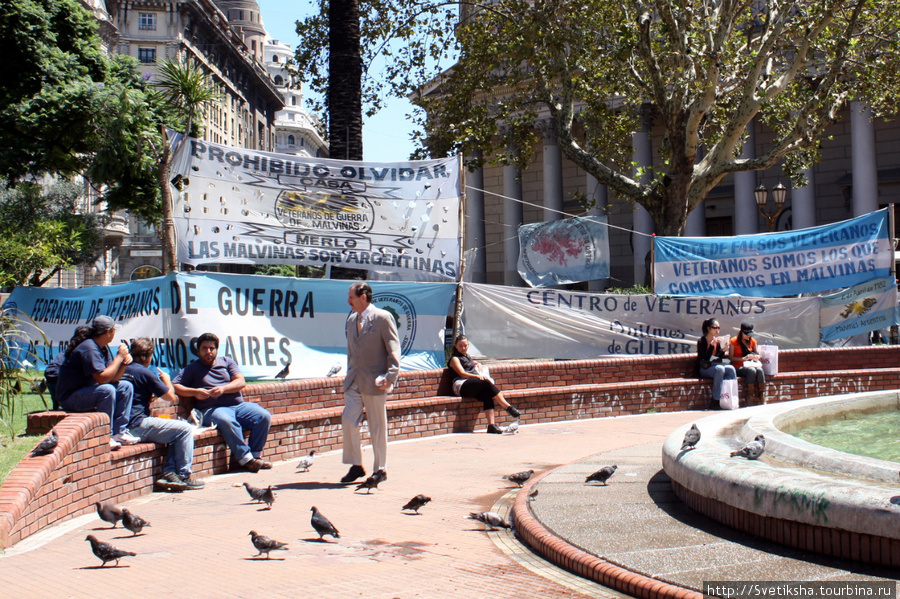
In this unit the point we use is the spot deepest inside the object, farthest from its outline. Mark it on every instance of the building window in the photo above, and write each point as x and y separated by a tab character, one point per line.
147	55
278	80
147	21
275	58
145	272
291	141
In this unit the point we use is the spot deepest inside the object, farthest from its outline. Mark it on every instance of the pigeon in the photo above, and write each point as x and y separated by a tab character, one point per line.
109	513
261	495
416	503
520	478
47	445
133	522
322	525
511	429
372	482
39	387
491	519
533	495
107	552
691	438
264	544
753	449
602	475
282	374
304	463
334	370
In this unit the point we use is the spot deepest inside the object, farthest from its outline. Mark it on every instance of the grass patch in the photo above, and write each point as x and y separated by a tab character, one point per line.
13	449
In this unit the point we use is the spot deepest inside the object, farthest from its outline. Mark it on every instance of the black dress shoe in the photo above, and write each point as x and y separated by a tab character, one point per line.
512	412
354	473
493	429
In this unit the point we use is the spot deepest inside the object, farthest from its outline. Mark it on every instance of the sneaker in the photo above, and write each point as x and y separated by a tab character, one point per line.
354	473
114	445
191	484
513	412
493	429
171	483
126	438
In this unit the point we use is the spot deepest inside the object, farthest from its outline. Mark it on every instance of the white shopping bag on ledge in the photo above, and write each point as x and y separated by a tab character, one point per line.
768	355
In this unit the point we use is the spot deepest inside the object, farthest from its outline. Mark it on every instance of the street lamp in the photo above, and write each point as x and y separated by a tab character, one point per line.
779	194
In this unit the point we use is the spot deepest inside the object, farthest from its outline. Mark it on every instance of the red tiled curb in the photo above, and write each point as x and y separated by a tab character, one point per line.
582	563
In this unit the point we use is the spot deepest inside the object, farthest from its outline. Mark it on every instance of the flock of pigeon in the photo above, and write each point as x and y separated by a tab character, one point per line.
323	527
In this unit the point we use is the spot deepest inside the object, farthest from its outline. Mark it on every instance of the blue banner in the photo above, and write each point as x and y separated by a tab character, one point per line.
775	264
861	309
564	251
263	323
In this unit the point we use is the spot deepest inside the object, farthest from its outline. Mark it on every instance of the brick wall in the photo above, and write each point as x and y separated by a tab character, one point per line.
306	415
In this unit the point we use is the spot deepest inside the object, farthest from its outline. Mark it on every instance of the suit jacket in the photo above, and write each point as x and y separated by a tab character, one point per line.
374	351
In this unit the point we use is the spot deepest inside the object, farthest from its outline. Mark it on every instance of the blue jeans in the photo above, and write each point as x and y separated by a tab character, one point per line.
718	373
177	434
231	422
113	398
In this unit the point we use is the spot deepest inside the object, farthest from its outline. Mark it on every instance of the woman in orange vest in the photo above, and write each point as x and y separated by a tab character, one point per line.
745	358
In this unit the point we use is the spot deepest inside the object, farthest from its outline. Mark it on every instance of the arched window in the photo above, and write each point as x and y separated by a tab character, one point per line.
145	272
279	80
291	140
293	100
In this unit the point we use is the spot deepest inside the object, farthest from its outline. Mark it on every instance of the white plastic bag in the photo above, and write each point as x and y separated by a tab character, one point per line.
768	355
728	400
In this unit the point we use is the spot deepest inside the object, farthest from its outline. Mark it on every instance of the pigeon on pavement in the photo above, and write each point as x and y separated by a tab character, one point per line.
266	496
602	475
47	445
691	438
133	522
533	495
107	552
282	374
109	513
372	482
511	429
491	519
753	449
304	463
264	544
334	370
416	503
322	525
520	478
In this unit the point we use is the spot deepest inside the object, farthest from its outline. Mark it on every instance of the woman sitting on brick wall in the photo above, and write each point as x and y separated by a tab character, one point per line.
710	353
468	381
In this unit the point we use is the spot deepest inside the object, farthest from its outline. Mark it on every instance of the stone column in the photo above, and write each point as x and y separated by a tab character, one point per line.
642	222
803	203
600	194
553	184
746	212
695	226
512	218
476	269
864	162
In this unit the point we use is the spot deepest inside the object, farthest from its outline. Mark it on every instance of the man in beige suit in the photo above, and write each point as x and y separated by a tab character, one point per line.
373	364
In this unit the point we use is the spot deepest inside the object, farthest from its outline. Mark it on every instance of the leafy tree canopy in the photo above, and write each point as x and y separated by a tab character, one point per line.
43	232
700	70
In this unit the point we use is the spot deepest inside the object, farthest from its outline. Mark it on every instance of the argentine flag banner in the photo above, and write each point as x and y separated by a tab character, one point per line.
822	258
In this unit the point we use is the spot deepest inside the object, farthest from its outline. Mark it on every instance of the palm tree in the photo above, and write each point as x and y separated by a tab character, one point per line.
190	92
344	95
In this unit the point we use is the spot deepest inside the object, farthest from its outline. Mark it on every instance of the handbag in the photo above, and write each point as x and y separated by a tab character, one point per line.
728	400
768	355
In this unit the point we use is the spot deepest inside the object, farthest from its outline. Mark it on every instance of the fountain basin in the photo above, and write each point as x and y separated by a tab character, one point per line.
798	494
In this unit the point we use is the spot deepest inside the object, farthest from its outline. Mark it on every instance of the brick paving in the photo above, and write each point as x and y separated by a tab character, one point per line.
198	543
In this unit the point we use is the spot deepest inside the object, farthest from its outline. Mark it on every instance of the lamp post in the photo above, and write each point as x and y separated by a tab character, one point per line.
779	194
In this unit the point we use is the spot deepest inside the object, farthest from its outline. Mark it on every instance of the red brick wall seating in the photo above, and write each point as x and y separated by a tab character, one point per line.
306	415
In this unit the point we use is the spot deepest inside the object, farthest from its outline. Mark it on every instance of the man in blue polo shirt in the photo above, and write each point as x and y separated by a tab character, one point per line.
90	379
215	383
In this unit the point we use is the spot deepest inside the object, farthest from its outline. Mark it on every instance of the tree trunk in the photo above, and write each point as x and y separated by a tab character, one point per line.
170	261
344	81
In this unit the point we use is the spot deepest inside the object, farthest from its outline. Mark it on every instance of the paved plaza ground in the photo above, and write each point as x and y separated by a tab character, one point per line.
198	543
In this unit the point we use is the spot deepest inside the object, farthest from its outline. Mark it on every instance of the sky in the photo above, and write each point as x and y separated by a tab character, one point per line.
386	136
